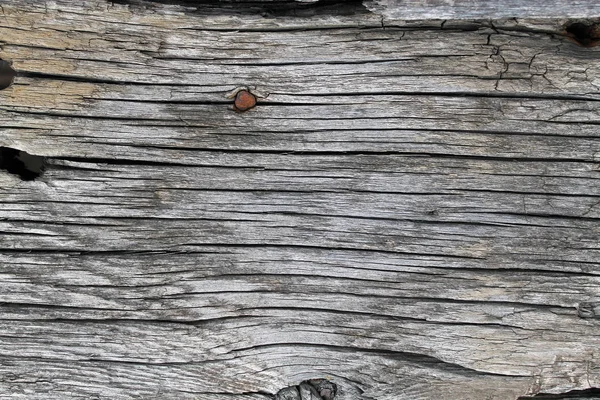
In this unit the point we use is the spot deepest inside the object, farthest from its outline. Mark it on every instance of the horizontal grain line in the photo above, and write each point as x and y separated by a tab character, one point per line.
325	153
422	359
250	62
334	248
302	214
537	215
390	316
237	318
148	363
459	94
91	117
121	161
10	304
423	27
556	194
84	79
12	233
369	295
118	321
423	321
56	222
299	29
181	250
83	252
257	132
432	221
342	216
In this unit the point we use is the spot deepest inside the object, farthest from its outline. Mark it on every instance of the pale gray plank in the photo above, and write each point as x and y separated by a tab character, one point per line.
412	211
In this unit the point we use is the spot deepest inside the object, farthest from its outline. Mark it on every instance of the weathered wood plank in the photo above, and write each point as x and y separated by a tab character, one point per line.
411	212
484	9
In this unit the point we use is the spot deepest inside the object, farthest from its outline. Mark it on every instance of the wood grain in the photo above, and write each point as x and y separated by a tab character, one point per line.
410	211
484	9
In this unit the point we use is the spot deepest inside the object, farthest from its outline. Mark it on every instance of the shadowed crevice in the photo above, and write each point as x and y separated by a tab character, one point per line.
265	8
7	74
26	166
592	393
584	33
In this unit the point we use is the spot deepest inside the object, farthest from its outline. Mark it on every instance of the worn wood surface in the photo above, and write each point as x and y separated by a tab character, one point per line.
483	9
412	212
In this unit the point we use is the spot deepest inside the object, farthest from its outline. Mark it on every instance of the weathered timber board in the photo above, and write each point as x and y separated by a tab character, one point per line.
412	212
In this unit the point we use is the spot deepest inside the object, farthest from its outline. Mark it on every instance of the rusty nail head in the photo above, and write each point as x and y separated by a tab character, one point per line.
245	97
244	100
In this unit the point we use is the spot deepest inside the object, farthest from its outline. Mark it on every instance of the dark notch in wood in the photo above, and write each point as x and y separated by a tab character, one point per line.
7	74
276	8
28	167
589	310
313	389
584	33
592	393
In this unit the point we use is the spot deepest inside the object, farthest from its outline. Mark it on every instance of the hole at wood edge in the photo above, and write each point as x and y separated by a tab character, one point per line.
26	166
586	34
7	74
321	389
592	393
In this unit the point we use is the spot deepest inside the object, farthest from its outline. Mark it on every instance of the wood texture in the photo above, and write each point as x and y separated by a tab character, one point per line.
484	9
411	211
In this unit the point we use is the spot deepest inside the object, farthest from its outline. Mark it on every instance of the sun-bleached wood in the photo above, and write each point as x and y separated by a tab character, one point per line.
484	9
411	210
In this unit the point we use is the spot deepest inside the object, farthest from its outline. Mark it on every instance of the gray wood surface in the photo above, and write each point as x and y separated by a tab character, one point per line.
411	211
484	9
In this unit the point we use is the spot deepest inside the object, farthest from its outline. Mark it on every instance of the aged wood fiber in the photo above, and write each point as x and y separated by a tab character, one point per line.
412	210
482	9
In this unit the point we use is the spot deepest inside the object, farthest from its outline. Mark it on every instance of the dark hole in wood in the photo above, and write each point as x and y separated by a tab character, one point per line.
584	33
592	393
7	74
17	162
289	8
312	389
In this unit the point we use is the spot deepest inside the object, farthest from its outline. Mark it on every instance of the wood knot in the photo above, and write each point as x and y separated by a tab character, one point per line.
588	309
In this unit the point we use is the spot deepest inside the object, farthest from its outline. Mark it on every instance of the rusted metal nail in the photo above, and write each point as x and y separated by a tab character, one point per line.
245	97
244	100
